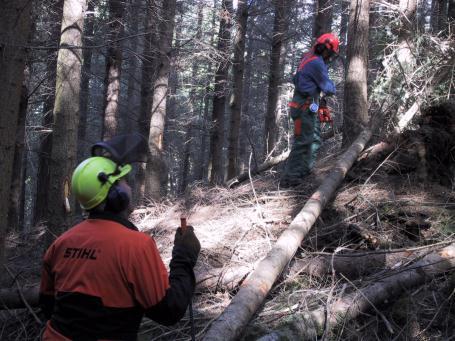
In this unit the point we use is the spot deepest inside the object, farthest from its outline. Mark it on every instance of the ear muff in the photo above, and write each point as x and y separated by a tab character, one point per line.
117	199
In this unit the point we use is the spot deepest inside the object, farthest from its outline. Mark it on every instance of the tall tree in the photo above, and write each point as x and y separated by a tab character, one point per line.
355	115
323	20
189	141
55	20
16	204
65	116
275	73
15	24
155	164
87	53
113	69
219	97
238	68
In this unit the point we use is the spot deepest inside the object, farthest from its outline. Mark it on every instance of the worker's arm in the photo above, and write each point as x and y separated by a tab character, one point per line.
166	299
46	293
319	73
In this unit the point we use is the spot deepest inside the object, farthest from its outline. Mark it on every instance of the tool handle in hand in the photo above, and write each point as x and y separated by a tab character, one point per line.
183	225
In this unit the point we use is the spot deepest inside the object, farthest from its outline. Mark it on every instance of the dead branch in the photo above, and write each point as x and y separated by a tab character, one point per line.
309	324
261	168
221	278
254	289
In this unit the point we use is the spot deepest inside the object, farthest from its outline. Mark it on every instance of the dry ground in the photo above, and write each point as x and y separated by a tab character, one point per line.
237	227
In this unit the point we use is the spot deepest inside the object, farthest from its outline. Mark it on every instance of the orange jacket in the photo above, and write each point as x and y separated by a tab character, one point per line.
101	277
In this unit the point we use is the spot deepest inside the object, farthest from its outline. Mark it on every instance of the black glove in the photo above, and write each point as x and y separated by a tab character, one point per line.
187	242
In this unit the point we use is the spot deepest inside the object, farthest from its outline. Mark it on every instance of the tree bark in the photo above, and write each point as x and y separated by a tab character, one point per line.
155	164
355	113
113	70
65	117
310	324
15	25
323	19
238	68
219	97
275	74
16	204
254	290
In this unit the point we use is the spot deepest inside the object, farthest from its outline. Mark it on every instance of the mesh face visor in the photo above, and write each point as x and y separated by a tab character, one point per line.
123	149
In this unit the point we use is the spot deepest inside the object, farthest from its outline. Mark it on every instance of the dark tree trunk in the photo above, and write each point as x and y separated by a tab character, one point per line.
355	116
66	118
155	165
148	72
85	78
435	19
113	69
323	19
15	25
16	204
40	207
238	66
131	111
276	57
219	98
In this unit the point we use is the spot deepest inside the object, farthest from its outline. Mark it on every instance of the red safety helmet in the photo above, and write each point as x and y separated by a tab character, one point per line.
330	41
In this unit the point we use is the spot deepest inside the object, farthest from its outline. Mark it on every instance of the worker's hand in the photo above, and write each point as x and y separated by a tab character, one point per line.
187	240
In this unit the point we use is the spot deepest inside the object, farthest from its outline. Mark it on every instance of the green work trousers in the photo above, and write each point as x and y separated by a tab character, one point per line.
307	140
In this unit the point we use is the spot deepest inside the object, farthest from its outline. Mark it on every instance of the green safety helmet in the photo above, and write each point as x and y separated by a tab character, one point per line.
93	178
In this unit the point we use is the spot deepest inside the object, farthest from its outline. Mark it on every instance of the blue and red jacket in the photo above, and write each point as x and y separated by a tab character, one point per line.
312	77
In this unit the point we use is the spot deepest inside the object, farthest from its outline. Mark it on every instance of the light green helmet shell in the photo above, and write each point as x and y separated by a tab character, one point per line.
89	190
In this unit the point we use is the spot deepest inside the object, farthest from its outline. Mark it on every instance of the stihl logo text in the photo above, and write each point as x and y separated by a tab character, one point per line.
72	252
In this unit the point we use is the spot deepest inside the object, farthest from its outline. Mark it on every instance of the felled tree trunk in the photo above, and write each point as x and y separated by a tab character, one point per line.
254	289
209	280
355	265
310	324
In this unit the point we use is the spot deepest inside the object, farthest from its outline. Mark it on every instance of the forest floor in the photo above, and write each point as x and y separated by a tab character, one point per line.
376	209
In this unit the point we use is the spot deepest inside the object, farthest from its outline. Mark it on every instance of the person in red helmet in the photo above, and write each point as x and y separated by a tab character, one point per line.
310	80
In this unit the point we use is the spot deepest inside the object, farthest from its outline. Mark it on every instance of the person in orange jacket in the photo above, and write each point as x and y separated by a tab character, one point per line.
102	276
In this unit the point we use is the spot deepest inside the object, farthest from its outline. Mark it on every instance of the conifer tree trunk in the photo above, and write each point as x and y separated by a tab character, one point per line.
40	209
65	117
155	164
355	115
148	71
219	98
436	8
15	24
131	110
113	69
16	204
276	58
323	19
237	95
